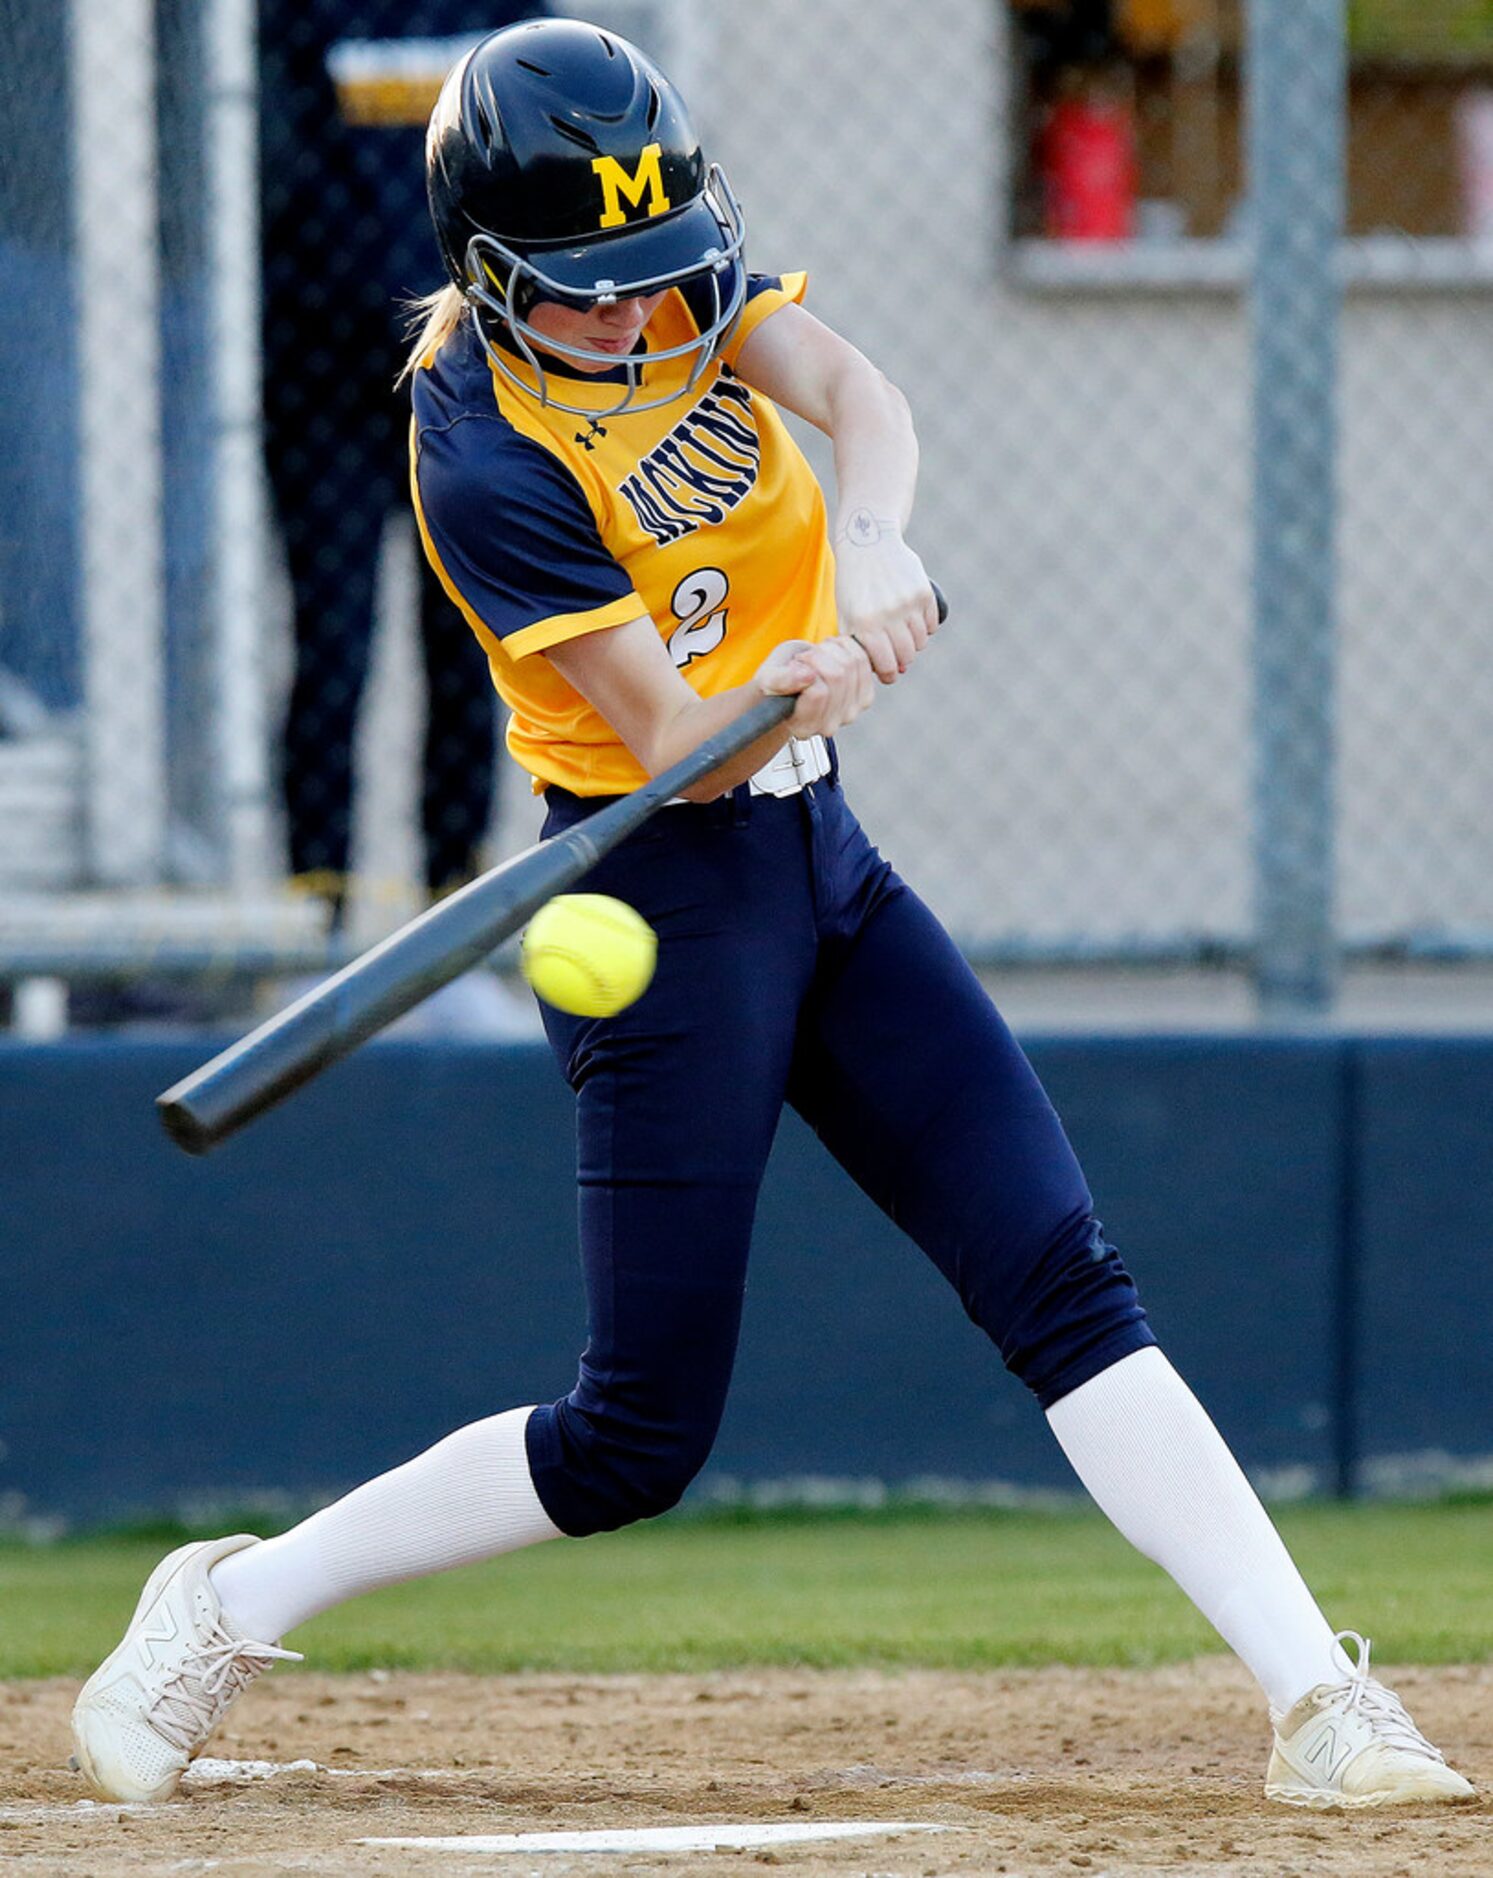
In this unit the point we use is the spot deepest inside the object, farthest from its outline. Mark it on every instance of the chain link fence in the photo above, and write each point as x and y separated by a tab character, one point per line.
1210	509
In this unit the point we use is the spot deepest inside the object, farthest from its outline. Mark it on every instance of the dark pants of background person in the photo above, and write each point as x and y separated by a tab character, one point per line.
794	965
337	452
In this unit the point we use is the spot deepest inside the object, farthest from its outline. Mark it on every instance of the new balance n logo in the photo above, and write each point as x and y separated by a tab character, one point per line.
1327	1752
167	1634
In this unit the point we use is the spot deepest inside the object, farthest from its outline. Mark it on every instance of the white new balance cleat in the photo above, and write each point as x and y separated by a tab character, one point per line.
150	1706
1351	1743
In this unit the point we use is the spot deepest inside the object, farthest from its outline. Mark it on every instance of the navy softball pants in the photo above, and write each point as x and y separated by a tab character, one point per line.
793	964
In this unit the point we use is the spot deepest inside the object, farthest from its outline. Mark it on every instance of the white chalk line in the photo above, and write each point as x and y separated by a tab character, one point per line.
723	1838
205	1771
208	1772
72	1809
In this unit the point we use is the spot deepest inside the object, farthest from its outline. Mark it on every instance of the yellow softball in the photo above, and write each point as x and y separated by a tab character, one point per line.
588	954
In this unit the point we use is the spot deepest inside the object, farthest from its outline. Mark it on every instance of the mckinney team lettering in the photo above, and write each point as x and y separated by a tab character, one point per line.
705	466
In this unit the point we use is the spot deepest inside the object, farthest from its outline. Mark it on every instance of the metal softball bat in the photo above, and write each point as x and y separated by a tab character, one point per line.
333	1018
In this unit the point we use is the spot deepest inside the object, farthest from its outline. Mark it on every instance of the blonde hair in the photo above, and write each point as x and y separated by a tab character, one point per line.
433	319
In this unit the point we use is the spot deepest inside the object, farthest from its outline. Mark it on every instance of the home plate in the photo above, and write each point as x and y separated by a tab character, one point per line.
668	1838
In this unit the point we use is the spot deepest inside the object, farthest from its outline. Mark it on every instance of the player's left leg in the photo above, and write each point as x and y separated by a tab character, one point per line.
195	1641
914	1082
679	1097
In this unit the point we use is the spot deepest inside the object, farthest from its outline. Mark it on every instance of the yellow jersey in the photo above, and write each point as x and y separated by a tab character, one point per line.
702	513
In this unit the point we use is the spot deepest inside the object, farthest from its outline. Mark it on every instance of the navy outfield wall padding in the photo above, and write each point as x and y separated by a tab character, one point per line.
395	1254
317	1302
1425	1291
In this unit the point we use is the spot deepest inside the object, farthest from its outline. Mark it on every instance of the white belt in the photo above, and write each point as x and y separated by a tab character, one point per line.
801	760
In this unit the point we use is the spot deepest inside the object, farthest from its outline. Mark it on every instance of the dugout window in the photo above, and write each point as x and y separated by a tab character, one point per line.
1126	127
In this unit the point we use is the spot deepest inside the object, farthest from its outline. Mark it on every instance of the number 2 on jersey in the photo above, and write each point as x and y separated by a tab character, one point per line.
699	604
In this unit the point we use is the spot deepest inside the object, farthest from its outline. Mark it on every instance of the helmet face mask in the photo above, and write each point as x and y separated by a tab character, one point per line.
562	168
503	286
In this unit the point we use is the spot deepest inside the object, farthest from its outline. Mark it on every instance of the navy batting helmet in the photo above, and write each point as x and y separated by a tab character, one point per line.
562	165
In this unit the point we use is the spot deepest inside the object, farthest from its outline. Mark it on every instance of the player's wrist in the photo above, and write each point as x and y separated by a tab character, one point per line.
865	526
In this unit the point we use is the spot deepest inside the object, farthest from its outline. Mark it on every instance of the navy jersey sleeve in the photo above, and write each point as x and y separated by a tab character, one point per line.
510	529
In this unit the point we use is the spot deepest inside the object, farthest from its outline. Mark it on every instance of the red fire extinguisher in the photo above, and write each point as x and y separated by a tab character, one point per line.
1087	160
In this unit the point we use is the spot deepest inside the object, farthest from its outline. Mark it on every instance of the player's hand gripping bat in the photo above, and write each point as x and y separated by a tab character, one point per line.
457	933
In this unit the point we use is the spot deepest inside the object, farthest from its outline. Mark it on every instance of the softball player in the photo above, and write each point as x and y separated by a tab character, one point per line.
607	492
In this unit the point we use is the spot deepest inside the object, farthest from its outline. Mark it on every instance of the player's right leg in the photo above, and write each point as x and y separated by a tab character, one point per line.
1152	1459
914	1082
1350	1743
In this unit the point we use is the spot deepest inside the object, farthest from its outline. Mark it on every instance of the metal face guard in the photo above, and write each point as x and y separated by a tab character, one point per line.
499	281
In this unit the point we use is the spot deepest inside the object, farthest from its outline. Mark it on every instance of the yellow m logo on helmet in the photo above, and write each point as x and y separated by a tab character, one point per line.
616	184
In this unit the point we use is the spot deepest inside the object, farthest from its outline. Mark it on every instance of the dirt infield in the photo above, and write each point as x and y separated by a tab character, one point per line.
1031	1773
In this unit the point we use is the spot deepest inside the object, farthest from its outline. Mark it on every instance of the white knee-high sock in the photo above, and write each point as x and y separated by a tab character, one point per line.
467	1498
1141	1443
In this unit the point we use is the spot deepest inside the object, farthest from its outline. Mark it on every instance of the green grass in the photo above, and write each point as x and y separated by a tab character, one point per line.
957	1589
